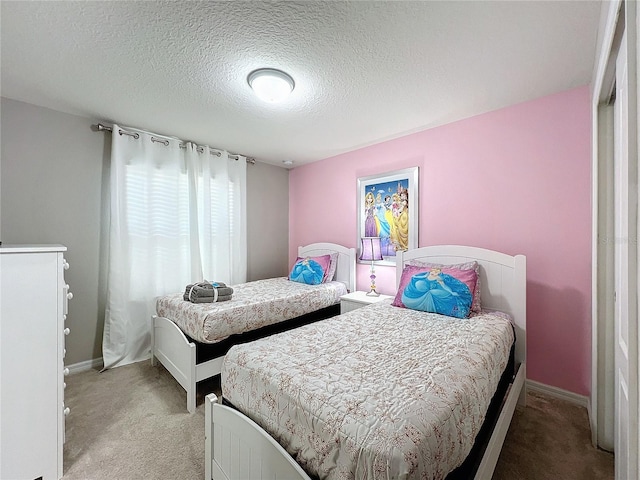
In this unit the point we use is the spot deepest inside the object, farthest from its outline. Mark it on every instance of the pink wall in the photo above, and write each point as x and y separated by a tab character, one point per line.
517	180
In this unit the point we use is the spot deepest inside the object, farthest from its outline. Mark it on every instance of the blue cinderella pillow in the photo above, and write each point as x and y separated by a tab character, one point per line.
446	291
310	270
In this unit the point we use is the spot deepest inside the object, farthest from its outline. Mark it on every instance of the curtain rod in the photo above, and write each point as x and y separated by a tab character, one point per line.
104	128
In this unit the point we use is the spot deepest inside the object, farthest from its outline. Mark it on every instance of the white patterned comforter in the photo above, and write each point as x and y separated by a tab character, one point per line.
377	393
253	305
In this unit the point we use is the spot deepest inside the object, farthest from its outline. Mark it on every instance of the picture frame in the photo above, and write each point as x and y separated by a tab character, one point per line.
388	208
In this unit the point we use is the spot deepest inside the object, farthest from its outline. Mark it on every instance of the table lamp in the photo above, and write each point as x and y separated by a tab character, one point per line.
371	251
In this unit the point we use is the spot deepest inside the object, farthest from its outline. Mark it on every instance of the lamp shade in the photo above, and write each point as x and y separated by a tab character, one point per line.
371	249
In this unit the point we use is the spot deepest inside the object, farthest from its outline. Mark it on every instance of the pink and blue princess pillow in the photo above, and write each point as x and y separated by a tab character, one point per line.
447	291
310	270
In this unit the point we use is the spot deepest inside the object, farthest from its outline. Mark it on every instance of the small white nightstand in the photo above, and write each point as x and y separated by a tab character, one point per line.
354	300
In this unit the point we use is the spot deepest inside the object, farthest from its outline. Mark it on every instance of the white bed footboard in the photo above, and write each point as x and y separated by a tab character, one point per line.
237	448
177	354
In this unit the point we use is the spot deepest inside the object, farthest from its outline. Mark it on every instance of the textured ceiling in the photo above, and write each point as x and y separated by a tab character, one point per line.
365	71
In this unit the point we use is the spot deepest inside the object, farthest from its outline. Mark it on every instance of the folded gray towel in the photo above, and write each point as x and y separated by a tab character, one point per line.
198	291
222	298
207	292
207	289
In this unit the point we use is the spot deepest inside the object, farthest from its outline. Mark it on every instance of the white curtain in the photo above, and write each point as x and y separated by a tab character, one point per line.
178	216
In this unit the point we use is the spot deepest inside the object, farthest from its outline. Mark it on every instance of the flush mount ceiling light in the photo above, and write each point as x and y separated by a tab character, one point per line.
271	85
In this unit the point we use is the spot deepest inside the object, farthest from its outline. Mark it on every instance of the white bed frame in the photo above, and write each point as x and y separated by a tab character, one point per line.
170	346
237	448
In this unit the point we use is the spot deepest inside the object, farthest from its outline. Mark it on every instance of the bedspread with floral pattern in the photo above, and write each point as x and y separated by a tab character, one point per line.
253	305
380	392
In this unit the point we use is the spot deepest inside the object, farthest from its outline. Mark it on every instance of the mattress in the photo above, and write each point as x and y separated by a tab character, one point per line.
379	392
253	305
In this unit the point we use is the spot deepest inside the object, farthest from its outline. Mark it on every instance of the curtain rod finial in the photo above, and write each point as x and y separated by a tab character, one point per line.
100	128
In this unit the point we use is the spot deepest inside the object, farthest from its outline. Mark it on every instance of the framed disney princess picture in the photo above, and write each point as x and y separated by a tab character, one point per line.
387	214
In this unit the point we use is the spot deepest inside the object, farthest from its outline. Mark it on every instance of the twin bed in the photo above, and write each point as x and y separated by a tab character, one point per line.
378	392
191	340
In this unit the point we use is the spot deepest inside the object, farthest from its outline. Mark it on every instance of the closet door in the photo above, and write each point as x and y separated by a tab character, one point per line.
625	264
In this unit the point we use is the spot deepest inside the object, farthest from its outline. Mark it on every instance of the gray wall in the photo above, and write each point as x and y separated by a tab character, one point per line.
53	190
52	168
267	221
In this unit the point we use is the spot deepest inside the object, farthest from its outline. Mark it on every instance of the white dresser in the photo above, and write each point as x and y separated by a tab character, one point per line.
33	308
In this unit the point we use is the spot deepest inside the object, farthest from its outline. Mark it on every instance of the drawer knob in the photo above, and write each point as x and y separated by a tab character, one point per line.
69	296
65	371
65	264
66	410
67	331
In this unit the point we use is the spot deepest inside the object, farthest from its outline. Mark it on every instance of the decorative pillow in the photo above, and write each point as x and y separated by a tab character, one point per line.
310	270
331	272
445	290
475	266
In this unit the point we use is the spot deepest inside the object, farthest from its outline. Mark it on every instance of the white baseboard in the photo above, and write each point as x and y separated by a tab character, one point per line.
85	366
556	392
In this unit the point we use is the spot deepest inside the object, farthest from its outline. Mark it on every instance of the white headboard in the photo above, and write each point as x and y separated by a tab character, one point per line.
346	270
503	281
